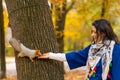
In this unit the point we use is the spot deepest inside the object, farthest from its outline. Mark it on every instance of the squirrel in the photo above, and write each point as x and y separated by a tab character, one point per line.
23	50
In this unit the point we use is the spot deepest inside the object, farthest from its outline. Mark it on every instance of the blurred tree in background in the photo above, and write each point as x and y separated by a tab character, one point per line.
2	45
59	9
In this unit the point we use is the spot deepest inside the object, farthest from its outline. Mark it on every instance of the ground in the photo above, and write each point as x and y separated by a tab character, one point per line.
79	73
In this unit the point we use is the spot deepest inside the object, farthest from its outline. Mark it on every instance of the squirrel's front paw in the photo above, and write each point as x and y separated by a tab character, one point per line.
31	59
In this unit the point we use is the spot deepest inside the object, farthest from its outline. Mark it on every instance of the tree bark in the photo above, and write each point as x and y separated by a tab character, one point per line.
2	45
31	23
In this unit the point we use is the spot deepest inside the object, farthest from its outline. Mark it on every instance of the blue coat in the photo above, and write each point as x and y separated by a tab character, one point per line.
78	59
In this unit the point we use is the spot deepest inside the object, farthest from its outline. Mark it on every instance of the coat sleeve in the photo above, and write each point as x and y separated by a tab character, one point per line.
115	72
77	59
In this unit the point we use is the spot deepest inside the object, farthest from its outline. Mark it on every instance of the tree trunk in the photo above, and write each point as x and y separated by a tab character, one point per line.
60	15
2	45
31	23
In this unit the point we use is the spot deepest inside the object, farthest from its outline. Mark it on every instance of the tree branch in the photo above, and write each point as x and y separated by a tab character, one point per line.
70	6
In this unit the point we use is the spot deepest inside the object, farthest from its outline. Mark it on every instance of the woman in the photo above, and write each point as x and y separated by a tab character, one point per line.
101	57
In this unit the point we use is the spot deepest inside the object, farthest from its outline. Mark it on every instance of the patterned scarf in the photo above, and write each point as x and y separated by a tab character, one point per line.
100	51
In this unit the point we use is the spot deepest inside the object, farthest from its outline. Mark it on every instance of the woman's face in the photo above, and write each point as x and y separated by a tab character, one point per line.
96	36
94	33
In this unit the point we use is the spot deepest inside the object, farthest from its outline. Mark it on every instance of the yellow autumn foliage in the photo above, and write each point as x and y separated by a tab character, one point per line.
5	15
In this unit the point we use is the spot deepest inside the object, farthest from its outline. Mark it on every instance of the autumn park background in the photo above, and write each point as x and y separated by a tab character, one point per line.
51	26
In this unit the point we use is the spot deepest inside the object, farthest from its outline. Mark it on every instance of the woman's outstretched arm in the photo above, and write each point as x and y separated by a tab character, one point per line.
50	55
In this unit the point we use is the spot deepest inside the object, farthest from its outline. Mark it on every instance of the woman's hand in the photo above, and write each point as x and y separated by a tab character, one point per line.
44	56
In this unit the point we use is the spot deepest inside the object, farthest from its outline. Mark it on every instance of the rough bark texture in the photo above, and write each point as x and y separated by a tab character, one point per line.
2	45
31	23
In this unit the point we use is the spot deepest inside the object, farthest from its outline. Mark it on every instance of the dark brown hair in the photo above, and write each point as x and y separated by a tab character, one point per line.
104	26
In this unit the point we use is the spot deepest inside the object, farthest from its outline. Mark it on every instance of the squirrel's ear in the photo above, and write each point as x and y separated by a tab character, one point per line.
37	52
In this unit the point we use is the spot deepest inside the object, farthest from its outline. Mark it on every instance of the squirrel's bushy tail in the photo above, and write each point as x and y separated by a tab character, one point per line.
15	44
12	41
8	35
